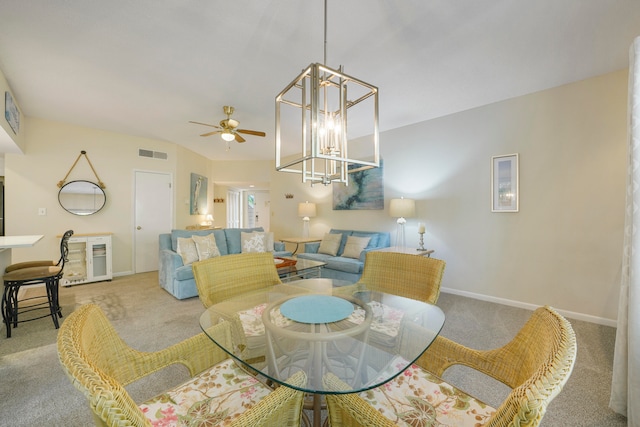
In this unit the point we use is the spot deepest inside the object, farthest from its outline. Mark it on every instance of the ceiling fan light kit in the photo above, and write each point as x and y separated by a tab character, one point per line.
317	113
228	128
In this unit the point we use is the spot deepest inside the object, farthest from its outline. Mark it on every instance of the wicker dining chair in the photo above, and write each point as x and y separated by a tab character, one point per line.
411	276
100	364
223	277
535	365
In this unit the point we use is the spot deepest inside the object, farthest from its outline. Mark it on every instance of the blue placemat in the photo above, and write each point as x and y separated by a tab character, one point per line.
316	309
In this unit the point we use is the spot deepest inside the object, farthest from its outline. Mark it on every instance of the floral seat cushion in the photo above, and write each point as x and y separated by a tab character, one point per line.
418	398
212	398
252	324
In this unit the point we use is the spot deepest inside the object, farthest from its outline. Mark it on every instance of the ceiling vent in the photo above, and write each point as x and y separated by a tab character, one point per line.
152	154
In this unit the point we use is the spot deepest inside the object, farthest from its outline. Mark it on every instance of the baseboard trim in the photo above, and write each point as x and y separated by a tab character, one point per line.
123	273
569	314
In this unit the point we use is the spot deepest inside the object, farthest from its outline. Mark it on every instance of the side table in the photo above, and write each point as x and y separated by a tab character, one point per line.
298	240
407	250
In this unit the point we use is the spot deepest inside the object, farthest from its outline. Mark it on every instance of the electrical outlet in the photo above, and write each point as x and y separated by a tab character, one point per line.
42	211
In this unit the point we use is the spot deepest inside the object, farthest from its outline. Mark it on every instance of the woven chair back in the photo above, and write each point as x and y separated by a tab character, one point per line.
410	276
223	277
537	364
89	349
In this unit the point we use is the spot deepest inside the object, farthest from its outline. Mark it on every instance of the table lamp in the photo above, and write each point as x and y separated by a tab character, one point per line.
402	208
306	211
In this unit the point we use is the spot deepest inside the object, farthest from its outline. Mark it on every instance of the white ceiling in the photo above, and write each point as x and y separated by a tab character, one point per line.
147	67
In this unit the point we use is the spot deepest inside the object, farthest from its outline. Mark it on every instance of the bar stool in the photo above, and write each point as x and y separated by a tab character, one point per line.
47	273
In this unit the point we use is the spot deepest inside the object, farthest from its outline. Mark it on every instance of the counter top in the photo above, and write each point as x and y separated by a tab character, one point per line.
7	242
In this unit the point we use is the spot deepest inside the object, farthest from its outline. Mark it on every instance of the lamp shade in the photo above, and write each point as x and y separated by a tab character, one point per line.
307	210
402	208
227	136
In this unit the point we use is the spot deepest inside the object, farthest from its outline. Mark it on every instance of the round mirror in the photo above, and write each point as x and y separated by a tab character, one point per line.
81	197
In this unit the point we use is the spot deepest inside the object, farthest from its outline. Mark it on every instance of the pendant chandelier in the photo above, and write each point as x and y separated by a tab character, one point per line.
326	124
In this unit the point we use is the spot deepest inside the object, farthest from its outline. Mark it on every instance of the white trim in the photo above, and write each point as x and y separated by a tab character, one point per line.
527	306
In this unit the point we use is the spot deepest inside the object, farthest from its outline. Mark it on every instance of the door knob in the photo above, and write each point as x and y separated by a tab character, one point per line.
138	228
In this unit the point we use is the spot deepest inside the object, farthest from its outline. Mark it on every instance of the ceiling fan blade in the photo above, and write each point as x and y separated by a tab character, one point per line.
205	124
210	133
239	138
251	132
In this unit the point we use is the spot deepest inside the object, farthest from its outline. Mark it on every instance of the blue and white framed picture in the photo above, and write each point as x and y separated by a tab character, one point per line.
11	112
198	195
365	191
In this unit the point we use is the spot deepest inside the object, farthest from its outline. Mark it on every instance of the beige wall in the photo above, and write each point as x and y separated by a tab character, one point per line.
52	148
10	142
564	246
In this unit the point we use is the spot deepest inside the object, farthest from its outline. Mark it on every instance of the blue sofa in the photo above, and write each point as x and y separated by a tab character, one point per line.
177	278
342	268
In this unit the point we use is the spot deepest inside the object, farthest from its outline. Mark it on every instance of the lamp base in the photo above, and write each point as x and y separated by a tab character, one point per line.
400	238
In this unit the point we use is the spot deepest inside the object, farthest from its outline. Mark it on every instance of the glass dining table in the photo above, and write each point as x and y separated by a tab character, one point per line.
363	338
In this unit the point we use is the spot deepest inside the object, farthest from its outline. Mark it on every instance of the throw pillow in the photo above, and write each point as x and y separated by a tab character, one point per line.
187	250
330	244
354	246
252	242
206	246
268	240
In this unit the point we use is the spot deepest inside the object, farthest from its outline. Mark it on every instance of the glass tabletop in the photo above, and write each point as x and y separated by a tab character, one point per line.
363	338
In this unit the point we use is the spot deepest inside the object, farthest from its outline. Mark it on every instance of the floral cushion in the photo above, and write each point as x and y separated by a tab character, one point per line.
418	398
213	398
252	320
386	321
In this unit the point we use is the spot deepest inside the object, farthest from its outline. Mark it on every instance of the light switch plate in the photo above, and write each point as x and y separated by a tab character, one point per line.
42	211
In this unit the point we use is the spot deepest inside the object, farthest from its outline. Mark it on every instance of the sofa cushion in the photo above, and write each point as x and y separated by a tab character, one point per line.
233	238
221	240
330	244
374	238
355	246
187	250
253	242
269	240
343	242
206	246
184	273
348	265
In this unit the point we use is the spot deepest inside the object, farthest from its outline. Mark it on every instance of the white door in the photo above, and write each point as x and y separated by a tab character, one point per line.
153	204
262	210
234	209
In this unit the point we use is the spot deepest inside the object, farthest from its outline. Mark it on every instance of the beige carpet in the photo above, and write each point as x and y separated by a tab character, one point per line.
34	391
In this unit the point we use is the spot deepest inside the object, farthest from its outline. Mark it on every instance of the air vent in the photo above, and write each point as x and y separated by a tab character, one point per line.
152	154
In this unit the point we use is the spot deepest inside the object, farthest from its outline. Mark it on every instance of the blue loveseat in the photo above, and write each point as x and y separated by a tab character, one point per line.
340	267
177	278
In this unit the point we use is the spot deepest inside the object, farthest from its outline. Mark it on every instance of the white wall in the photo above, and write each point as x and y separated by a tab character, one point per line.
564	246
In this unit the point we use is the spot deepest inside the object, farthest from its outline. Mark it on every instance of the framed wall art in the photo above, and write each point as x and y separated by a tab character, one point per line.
11	112
505	183
198	195
365	191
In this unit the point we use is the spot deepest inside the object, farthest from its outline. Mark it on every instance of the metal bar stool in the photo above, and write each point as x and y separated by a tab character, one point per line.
47	273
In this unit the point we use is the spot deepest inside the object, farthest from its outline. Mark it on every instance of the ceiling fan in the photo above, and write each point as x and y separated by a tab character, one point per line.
228	128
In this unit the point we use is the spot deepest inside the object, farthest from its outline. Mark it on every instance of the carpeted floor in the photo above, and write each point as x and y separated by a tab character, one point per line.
34	391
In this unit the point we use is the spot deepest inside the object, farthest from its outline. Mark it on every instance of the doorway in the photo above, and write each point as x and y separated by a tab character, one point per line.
153	207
